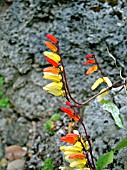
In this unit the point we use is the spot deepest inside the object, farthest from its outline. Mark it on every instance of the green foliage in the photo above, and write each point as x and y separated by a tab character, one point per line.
48	165
50	124
1	80
3	101
55	117
113	109
105	160
122	144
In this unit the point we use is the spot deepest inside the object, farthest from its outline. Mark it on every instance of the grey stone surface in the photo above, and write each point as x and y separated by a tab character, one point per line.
82	27
16	165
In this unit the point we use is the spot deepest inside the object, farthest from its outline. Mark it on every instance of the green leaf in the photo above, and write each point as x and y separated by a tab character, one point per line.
122	144
4	103
105	160
55	117
1	80
48	164
1	92
113	109
104	101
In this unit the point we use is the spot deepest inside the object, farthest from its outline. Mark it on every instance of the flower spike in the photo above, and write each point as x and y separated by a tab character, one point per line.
52	38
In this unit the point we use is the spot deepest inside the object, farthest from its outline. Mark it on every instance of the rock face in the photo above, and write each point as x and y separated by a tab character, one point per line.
82	27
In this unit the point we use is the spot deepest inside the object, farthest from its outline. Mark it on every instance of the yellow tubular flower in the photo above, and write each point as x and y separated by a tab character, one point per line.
71	148
79	163
86	145
108	81
57	92
53	85
97	83
53	77
52	56
101	96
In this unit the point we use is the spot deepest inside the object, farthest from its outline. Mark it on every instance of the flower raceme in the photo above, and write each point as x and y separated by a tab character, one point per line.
74	154
53	72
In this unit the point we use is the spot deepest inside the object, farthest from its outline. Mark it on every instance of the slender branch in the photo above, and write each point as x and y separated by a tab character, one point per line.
93	97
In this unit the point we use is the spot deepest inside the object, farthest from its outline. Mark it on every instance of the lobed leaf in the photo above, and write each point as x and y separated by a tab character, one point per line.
113	109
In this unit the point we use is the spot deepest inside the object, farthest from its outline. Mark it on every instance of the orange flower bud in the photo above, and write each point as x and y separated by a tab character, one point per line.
70	113
89	62
89	56
53	70
70	138
52	38
92	69
50	46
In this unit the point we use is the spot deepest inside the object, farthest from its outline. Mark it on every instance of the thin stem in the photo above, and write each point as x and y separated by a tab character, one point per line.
65	78
98	65
93	97
86	152
87	137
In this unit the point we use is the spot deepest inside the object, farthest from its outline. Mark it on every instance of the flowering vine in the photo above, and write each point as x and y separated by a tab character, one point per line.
78	150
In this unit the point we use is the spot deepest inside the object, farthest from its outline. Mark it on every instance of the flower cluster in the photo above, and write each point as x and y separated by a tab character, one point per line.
53	72
74	153
91	60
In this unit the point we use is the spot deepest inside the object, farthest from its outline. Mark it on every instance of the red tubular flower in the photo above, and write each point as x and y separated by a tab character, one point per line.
52	62
70	138
70	113
53	70
89	56
52	38
89	62
92	69
50	46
